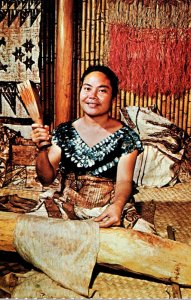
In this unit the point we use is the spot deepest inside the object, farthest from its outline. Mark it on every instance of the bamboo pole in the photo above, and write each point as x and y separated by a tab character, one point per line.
93	22
163	105
172	118
154	101
122	96
139	14
181	104
159	102
145	100
131	99
64	54
120	248
106	16
189	113
83	49
113	108
137	100
102	30
176	116
150	101
127	95
97	33
88	34
168	107
83	37
185	113
78	89
141	101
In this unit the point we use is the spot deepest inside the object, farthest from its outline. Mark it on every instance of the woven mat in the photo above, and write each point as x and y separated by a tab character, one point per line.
181	192
173	207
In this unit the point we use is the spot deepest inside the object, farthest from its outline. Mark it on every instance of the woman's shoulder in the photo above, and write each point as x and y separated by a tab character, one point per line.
131	139
63	127
62	131
114	125
129	133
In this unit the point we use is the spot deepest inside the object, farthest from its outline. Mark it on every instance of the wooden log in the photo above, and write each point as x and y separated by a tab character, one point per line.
64	61
8	222
175	287
144	253
126	249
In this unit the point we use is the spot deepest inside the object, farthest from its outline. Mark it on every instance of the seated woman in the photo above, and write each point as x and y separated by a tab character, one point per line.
96	155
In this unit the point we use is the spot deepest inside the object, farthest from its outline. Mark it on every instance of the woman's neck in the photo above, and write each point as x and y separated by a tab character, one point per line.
101	121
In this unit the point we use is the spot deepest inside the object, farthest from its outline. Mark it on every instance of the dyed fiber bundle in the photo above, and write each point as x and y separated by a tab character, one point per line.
151	60
30	97
31	100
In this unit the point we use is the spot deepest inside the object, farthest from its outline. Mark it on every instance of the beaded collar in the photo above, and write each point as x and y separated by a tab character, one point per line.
93	160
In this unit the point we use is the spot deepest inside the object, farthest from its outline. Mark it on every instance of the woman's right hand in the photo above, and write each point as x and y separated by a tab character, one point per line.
47	162
40	133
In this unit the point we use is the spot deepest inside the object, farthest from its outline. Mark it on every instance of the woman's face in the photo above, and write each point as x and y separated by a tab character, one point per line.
96	94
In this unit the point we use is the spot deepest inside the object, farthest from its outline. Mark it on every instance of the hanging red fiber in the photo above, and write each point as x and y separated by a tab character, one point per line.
148	61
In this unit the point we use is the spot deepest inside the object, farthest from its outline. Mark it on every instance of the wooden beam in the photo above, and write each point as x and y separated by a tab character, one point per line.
64	54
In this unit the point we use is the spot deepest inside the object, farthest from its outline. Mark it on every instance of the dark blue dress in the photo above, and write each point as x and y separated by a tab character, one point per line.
100	160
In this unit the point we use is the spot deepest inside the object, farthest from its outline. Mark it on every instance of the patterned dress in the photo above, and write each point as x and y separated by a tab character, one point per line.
89	173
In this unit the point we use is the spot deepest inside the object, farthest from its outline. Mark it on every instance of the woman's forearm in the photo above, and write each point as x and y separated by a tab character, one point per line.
123	191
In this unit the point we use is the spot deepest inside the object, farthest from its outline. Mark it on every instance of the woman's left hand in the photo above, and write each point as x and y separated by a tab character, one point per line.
110	217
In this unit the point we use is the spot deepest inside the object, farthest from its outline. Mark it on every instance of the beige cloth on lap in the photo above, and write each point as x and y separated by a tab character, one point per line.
66	251
38	285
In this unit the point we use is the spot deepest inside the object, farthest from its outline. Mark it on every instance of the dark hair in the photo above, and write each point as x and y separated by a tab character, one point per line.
108	72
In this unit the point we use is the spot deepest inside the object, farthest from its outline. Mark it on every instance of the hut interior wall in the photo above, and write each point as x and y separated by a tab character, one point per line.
91	46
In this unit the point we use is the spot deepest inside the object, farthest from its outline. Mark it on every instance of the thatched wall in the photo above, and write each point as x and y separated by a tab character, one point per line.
148	45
